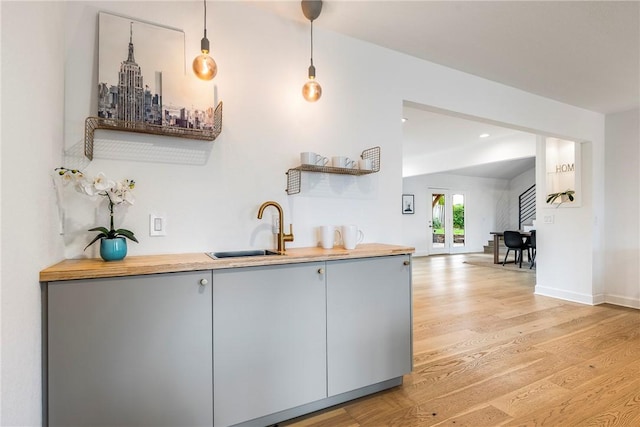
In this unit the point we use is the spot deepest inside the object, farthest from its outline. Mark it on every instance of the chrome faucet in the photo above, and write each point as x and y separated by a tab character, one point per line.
282	237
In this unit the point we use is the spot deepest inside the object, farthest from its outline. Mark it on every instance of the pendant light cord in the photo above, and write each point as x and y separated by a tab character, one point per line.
205	18
312	42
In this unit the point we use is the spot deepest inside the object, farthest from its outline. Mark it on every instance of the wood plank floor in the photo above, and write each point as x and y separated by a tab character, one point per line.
488	352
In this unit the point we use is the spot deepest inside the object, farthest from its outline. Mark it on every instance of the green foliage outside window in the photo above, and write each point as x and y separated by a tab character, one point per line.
458	221
458	216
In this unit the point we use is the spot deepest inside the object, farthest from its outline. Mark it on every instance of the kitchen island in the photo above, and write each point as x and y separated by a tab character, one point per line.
190	340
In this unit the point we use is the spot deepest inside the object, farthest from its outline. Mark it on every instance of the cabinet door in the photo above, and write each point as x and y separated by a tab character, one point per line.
269	340
130	351
368	321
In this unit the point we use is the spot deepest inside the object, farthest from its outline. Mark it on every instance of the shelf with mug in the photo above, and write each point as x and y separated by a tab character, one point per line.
294	175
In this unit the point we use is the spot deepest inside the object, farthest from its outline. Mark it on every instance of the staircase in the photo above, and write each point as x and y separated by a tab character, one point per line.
488	248
526	215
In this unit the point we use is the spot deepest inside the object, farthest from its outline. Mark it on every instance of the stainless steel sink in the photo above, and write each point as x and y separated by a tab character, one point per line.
241	254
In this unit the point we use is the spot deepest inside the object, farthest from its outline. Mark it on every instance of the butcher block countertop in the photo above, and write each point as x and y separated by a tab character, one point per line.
93	268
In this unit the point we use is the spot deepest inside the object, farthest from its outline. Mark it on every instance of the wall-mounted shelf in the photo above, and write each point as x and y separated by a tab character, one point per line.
294	175
93	123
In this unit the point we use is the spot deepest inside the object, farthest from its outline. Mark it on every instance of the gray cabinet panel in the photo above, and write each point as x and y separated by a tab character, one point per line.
368	321
269	340
130	351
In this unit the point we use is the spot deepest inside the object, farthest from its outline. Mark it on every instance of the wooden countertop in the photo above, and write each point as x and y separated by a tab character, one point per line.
169	263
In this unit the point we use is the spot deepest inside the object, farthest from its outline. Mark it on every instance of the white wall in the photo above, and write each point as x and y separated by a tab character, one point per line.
482	195
622	183
566	262
213	205
266	123
32	99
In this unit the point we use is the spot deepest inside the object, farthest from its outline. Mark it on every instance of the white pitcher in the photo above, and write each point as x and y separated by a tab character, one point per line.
351	236
328	236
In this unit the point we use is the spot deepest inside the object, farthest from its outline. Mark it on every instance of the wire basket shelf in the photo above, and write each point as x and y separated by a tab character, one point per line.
91	124
294	175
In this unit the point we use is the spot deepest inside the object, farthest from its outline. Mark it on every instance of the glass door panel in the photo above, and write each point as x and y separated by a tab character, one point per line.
437	224
458	220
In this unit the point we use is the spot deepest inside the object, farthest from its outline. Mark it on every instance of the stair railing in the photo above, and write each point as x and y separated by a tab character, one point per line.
526	206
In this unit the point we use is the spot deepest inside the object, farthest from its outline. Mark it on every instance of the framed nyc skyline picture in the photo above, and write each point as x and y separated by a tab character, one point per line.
142	77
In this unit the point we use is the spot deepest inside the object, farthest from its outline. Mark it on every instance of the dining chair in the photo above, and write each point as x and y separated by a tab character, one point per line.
513	241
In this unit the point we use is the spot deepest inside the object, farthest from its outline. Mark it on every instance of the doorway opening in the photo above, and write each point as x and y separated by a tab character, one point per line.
446	221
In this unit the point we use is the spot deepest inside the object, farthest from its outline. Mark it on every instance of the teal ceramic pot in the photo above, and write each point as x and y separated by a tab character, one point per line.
113	249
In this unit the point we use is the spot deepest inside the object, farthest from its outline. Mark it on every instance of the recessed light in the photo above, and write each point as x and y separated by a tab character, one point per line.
485	135
404	119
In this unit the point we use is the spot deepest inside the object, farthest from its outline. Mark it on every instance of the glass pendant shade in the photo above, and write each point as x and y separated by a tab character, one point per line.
311	91
205	67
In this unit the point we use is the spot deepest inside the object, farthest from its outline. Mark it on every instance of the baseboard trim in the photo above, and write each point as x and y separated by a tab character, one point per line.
421	253
565	295
622	301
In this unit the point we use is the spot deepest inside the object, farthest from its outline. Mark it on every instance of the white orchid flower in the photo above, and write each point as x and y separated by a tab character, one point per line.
121	186
115	197
101	183
86	187
128	197
121	192
68	177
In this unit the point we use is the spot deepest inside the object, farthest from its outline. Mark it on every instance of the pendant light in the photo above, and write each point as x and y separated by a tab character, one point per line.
203	65
311	91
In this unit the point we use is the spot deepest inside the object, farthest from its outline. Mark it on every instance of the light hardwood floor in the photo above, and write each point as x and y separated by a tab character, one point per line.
488	352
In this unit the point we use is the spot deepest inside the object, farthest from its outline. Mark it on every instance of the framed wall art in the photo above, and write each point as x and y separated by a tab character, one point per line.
408	204
143	85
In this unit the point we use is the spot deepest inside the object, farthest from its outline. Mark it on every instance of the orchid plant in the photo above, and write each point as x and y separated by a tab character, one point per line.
116	192
568	194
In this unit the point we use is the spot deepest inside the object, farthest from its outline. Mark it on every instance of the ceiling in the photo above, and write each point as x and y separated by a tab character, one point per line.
582	53
444	137
506	169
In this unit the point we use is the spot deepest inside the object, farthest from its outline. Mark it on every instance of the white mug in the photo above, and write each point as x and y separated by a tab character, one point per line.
308	158
327	236
311	158
365	164
342	162
322	161
351	236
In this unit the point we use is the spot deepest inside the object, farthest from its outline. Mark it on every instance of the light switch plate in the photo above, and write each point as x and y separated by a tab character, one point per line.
548	219
157	225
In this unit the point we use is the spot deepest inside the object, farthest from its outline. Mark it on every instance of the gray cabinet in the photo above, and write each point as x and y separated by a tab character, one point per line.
269	340
368	321
248	345
130	351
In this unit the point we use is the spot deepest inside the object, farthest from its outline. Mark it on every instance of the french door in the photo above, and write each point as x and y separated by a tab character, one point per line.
446	221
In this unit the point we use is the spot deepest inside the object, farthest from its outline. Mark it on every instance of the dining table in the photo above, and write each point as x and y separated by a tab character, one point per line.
496	242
